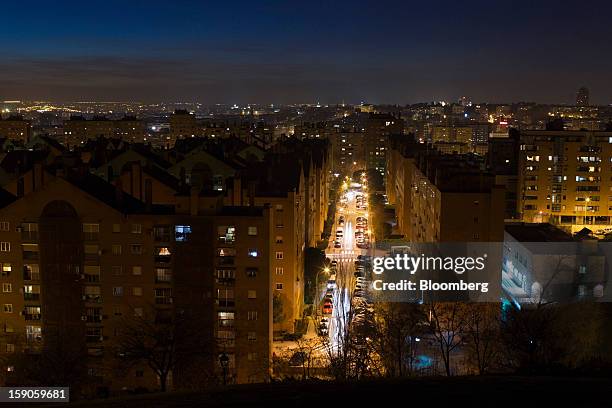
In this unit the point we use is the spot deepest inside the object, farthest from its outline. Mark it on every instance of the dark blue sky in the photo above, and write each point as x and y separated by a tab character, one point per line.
278	52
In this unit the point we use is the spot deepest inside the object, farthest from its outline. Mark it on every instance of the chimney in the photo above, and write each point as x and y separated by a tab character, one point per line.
136	180
182	176
148	195
237	200
20	187
37	177
194	200
119	192
252	193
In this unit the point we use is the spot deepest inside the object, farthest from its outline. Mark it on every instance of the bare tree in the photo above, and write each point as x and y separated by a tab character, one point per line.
544	335
306	350
398	327
483	334
447	322
350	347
164	341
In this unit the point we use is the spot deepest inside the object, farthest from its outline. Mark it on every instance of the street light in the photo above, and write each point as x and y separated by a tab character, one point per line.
224	361
585	210
316	300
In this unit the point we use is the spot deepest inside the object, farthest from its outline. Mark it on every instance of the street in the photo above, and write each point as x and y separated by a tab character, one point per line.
351	207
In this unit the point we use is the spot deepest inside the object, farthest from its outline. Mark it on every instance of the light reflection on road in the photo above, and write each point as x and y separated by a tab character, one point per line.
345	280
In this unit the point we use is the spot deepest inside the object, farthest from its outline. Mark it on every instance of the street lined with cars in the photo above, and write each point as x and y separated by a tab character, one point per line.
346	299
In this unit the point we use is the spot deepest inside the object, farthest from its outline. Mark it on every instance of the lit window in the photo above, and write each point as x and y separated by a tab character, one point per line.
136	270
279	255
182	233
137	291
252	231
253	253
136	228
163	275
118	291
91	249
116	228
226	319
8	308
7	288
5	246
252	294
162	251
91	231
6	269
227	234
279	270
251	336
252	315
116	249
279	286
92	273
5	226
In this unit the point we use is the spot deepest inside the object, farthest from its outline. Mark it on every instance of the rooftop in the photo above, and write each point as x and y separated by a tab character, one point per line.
527	232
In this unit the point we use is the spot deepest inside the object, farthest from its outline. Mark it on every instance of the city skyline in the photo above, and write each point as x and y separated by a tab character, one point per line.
273	53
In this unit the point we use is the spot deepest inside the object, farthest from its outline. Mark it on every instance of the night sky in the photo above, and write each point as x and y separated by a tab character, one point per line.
274	52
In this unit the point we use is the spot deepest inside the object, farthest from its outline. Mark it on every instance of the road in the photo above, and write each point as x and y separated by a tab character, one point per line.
345	256
345	279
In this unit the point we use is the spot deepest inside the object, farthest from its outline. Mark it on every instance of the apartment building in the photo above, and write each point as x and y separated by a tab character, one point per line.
184	124
542	263
281	186
440	197
16	128
457	134
80	256
564	178
378	127
78	130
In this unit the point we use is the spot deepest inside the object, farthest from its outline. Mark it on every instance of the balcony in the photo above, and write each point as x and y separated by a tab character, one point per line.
93	298
29	236
31	297
91	236
31	276
226	261
30	255
162	234
93	338
93	318
163	259
226	281
226	302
